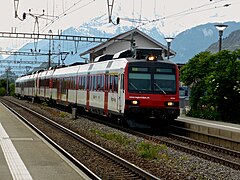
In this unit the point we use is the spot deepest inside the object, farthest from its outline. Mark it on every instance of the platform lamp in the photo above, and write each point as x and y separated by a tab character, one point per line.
169	40
220	28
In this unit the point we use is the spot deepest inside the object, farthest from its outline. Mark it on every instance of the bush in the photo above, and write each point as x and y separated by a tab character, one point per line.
204	114
3	91
151	151
12	89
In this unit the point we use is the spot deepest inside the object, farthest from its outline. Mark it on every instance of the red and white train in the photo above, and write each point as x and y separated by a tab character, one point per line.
138	85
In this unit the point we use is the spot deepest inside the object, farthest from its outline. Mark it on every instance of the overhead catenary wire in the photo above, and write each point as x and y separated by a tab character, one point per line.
53	18
178	14
66	12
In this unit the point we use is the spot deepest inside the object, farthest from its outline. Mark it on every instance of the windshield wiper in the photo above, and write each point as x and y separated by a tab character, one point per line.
160	88
133	86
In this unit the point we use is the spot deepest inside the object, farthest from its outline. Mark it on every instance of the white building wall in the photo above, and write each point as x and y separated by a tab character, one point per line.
140	41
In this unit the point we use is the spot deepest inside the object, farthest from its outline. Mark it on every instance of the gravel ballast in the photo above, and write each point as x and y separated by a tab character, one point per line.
170	164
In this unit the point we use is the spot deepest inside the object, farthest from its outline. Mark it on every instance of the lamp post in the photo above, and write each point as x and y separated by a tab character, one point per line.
169	40
7	88
220	28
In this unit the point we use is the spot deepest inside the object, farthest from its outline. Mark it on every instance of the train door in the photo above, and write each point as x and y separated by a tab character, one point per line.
121	94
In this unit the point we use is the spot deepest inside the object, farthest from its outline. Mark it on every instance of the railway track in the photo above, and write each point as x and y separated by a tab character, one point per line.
204	150
207	151
95	161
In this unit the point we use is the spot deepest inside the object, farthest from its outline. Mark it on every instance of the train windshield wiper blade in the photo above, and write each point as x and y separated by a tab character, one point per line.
133	86
160	88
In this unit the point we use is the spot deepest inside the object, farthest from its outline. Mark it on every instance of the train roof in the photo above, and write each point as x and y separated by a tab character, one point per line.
66	71
23	78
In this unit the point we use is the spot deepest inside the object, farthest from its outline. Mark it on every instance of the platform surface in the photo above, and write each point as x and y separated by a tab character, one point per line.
210	123
25	155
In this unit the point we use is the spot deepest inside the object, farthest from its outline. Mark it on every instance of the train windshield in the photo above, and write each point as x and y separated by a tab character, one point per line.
153	80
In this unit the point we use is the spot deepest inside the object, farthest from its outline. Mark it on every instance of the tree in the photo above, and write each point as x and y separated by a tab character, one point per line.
215	85
12	89
2	91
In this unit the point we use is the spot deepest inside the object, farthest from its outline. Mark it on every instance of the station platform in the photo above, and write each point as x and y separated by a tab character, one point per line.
24	155
221	133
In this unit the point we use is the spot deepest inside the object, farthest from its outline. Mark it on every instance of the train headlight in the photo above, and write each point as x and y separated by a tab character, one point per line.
170	103
134	102
151	58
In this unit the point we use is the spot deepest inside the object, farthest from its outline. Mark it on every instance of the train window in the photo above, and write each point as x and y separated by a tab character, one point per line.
164	70
165	83
63	85
139	69
116	83
99	83
54	83
94	83
73	82
111	83
106	82
70	83
109	64
81	82
139	82
84	83
89	85
122	82
90	67
102	83
47	82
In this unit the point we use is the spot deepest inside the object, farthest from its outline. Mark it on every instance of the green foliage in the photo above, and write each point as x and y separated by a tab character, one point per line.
113	137
3	83
215	82
204	114
44	104
151	151
3	91
62	114
11	89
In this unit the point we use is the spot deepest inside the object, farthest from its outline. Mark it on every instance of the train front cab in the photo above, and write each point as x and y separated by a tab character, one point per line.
152	94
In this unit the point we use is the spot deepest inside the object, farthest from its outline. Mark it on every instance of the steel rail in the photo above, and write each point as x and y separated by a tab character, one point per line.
133	168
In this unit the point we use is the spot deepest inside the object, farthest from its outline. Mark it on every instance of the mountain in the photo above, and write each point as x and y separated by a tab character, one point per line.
186	44
232	42
198	39
93	28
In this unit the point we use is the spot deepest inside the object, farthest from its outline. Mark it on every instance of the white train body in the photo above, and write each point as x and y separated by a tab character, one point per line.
115	87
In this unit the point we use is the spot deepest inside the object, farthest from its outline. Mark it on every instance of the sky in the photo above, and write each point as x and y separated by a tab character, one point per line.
169	16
